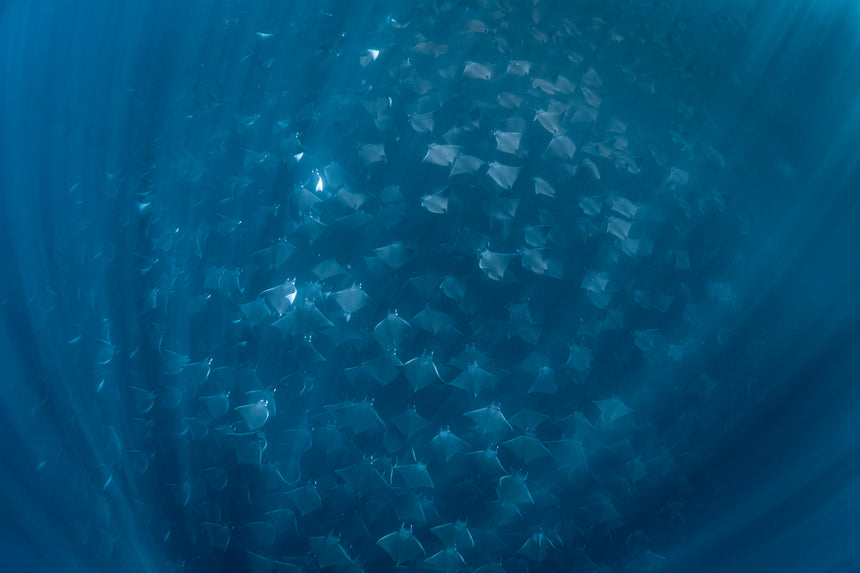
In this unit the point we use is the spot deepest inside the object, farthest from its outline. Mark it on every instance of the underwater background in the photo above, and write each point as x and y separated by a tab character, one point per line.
429	286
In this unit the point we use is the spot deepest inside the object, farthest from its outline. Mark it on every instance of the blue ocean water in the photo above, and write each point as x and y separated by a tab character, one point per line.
433	286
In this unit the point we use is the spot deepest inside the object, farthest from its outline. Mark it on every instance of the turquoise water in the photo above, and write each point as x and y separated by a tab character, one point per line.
457	286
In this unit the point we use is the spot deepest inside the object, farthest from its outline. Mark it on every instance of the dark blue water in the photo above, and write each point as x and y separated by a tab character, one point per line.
578	278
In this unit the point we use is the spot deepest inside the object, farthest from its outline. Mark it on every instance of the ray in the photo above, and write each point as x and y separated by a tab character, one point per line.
466	165
350	300
537	547
503	175
508	142
362	478
402	546
360	417
513	490
411	476
421	372
447	444
391	331
454	535
490	422
526	448
328	552
255	415
442	155
448	561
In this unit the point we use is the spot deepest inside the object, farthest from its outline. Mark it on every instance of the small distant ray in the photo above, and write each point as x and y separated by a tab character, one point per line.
503	175
258	533
602	513
490	422
509	100
454	534
564	85
544	85
436	203
422	122
560	147
248	447
354	220
217	534
421	372
217	404
350	300
328	552
144	400
526	448
351	199
503	513
368	56
442	155
256	312
410	508
494	265
485	463
411	476
544	187
138	461
568	454
493	567
447	444
477	71
537	262
447	561
263	564
591	97
508	142
280	298
537	547
362	478
216	478
612	409
329	268
371	154
625	207
409	423
520	323
551	121
394	255
306	499
584	114
454	287
430	49
503	209
579	358
590	78
402	546
677	178
590	169
466	165
512	490
255	415
391	331
433	321
384	368
618	227
360	417
591	206
518	68
545	382
595	281
475	27
474	380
